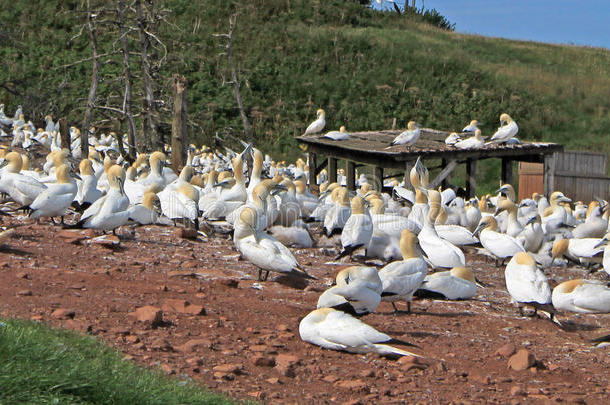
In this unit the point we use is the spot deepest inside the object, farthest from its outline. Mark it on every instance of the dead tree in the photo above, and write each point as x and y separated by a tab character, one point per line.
179	124
95	79
64	133
131	126
228	47
150	123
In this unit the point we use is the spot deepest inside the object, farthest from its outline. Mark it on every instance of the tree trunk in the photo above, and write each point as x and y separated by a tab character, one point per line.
84	136
179	127
150	130
235	80
131	127
64	133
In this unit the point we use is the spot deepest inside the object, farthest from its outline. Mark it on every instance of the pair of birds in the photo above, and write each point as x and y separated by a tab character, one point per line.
527	285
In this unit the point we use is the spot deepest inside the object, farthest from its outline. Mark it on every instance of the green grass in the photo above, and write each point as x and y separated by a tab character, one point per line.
39	365
364	67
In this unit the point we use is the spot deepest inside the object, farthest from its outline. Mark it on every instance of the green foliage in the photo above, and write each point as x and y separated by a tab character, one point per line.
42	365
363	66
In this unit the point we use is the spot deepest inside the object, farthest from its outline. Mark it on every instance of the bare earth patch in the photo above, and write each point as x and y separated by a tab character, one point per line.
192	308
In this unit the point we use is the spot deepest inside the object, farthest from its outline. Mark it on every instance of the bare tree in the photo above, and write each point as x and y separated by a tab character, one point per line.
131	126
228	47
95	79
179	124
144	17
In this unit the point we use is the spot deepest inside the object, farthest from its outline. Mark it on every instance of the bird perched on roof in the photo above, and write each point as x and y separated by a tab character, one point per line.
318	124
339	135
508	129
472	127
473	142
452	139
336	330
408	137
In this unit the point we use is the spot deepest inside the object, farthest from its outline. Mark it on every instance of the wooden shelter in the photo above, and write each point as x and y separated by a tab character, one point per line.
375	149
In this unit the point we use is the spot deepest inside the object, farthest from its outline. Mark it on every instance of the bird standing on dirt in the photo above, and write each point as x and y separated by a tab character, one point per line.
261	249
400	279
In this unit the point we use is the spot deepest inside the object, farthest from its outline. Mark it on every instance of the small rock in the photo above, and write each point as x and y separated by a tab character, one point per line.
161	345
132	339
23	274
24	293
331	378
521	360
412	362
353	402
63	313
516	390
228	282
186	233
193	344
263	361
183	307
507	350
367	373
286	363
353	385
257	394
148	314
168	369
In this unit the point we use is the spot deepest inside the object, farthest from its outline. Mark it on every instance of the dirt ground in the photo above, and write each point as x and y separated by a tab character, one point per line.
244	341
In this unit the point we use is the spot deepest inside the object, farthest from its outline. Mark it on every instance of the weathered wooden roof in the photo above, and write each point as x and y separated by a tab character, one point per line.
367	147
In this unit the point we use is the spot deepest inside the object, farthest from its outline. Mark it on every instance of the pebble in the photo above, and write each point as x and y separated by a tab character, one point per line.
63	313
194	344
521	360
149	315
286	364
182	306
507	350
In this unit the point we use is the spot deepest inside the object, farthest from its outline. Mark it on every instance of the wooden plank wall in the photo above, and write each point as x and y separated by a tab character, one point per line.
581	163
579	175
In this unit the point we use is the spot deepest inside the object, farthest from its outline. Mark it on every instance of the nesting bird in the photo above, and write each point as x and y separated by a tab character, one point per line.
337	330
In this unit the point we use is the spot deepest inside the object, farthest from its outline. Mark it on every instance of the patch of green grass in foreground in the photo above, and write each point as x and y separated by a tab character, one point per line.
40	365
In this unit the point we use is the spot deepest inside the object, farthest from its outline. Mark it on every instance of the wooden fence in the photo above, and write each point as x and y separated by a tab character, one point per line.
579	175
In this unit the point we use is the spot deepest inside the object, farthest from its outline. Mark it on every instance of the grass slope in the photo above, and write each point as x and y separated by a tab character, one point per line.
365	67
42	365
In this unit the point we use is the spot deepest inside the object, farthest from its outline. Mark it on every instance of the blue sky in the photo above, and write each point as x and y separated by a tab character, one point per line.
580	22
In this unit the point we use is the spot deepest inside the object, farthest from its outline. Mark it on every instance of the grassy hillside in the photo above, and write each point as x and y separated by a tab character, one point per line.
364	67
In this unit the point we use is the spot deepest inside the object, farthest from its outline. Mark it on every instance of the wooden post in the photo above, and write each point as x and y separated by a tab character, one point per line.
507	171
550	162
332	169
179	121
378	178
471	182
313	165
350	168
64	132
445	182
408	166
